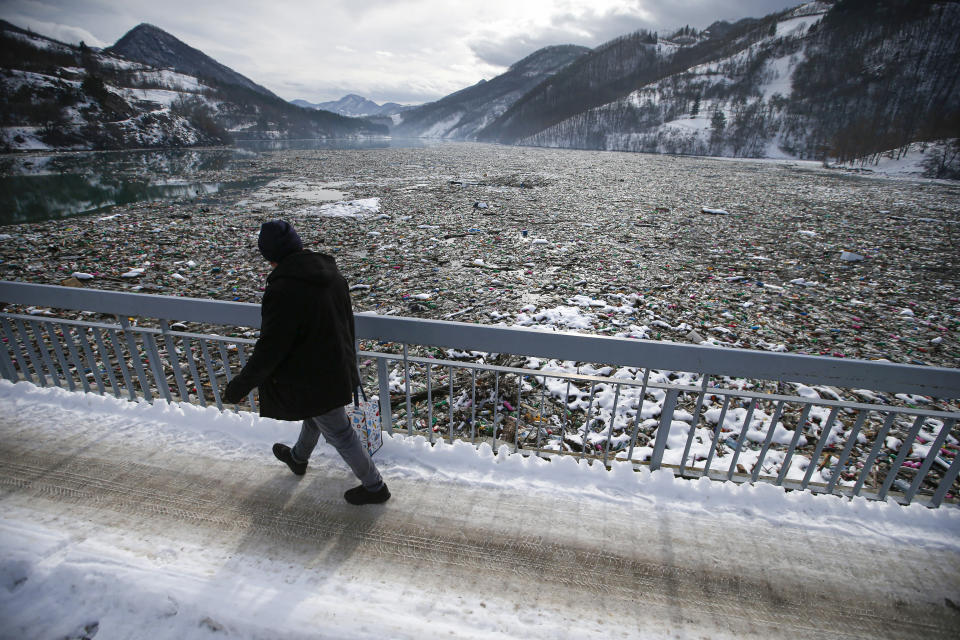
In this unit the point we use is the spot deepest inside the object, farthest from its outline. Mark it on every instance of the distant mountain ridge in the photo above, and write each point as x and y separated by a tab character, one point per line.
839	79
355	106
824	80
829	79
155	47
55	95
462	114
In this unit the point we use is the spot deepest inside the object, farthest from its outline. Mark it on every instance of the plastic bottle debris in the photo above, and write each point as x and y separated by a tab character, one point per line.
583	223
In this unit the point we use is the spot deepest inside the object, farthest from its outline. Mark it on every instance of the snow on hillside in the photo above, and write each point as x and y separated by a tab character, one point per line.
163	97
40	42
811	8
686	125
169	79
442	128
61	96
813	81
912	161
132	108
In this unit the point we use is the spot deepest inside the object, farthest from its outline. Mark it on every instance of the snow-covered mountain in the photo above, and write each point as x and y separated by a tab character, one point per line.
825	79
155	47
355	106
460	115
59	96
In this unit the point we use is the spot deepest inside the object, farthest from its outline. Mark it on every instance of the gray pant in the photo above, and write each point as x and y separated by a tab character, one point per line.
337	431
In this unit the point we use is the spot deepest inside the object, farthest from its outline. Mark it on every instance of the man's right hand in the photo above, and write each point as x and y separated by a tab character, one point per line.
232	395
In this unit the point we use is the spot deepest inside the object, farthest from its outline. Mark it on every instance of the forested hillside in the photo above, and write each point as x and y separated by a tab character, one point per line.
460	115
876	75
825	80
59	96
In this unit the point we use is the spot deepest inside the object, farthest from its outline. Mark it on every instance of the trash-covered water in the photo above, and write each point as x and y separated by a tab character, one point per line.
758	254
37	187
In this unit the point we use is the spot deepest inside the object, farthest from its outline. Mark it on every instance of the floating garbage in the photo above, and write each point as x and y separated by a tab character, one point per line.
569	223
849	256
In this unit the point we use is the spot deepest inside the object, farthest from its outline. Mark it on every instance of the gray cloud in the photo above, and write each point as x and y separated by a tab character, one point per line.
589	31
595	28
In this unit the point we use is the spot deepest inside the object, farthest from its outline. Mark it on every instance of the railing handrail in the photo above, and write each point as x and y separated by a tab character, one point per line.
939	382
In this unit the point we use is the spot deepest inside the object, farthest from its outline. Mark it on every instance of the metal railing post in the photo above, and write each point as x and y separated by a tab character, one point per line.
170	343
406	390
696	420
740	438
91	360
105	358
717	430
194	371
766	441
946	482
386	412
825	430
135	359
9	370
847	448
929	460
613	419
663	431
156	366
58	353
211	373
241	355
901	456
874	452
797	432
44	354
74	356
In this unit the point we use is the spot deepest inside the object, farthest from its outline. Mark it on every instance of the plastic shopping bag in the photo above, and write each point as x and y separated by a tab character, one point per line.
365	418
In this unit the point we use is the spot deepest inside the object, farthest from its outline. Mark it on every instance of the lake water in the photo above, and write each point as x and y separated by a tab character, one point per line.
44	187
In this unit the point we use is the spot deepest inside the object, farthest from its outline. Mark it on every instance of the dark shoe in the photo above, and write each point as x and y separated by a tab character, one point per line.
283	454
359	495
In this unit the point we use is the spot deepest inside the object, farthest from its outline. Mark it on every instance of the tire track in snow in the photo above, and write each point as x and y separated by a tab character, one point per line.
589	577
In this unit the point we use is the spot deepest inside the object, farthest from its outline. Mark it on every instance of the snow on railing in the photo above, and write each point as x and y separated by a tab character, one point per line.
849	427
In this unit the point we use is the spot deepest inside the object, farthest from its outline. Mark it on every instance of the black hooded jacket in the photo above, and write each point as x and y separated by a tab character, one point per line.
304	362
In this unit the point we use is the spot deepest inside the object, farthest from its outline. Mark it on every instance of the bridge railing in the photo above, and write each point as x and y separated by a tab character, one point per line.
843	426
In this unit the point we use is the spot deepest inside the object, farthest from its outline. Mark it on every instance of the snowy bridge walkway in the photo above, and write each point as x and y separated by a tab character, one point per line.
160	521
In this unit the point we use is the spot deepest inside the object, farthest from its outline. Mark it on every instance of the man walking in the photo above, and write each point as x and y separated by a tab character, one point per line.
304	362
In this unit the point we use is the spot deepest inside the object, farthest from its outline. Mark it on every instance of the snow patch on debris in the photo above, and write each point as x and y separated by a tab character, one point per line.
346	209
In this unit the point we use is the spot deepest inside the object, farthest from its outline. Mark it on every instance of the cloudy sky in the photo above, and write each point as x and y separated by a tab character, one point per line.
407	51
